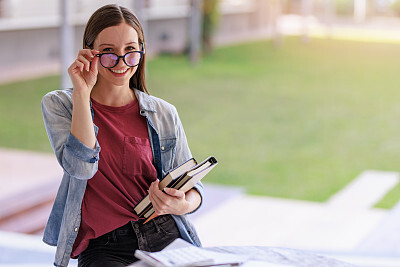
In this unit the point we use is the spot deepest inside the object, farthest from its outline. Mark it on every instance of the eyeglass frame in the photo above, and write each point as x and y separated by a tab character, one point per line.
141	53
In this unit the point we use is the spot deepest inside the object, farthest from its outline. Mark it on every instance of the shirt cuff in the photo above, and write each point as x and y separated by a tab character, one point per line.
82	151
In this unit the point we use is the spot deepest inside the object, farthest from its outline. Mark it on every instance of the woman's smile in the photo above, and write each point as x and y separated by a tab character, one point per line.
123	71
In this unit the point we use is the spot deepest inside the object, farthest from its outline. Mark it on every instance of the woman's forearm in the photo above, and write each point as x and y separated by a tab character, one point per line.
82	123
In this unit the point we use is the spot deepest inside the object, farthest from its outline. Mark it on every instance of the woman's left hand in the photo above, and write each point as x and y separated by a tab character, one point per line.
171	201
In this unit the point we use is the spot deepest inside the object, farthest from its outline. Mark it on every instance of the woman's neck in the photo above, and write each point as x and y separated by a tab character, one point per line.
112	95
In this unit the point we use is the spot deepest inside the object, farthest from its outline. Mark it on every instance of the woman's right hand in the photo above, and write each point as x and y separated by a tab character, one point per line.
83	71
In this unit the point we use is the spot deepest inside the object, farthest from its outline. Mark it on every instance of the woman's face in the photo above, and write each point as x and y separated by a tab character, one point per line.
120	40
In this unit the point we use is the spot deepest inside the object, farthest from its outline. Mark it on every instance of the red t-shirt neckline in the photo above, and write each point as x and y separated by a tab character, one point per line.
114	108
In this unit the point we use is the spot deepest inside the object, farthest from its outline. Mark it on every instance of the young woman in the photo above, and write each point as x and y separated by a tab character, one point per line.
114	142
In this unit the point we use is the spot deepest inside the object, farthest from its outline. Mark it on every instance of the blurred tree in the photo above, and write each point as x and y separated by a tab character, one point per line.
396	7
210	22
344	7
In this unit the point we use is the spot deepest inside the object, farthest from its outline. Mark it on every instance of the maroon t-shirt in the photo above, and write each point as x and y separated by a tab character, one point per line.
124	174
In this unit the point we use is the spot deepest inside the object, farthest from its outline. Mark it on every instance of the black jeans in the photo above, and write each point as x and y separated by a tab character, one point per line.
117	247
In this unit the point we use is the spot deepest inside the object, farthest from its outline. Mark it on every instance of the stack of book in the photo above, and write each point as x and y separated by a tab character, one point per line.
182	178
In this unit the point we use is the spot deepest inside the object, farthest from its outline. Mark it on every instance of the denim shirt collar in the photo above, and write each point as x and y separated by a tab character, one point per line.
146	104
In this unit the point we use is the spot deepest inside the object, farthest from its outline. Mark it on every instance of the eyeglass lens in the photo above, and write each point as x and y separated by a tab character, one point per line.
132	59
111	60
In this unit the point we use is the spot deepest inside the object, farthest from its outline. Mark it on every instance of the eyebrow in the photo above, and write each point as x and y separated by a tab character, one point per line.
114	45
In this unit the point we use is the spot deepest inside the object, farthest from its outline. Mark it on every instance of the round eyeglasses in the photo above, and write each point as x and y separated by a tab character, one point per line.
110	60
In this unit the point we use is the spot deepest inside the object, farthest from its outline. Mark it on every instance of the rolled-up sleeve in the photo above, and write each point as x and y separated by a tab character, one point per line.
77	159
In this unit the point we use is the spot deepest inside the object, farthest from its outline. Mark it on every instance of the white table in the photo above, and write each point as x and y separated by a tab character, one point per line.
274	257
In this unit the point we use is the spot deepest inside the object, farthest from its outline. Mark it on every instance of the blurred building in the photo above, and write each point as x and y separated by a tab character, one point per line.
30	30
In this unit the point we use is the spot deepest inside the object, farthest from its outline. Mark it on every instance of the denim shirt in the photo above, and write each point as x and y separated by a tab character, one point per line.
80	162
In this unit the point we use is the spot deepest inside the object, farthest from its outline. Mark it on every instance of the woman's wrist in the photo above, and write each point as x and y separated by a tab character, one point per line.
193	200
81	96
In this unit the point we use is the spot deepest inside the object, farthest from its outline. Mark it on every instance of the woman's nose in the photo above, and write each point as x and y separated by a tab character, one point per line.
121	62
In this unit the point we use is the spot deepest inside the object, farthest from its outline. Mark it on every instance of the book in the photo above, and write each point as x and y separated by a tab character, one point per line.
185	182
168	178
193	176
182	178
188	180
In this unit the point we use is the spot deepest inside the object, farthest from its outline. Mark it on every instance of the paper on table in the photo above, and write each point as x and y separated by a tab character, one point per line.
244	259
218	259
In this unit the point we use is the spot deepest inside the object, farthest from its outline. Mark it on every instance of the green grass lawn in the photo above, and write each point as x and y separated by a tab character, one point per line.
297	122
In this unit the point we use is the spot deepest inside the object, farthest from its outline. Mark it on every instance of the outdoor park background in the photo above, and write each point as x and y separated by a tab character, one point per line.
294	110
295	120
299	121
296	100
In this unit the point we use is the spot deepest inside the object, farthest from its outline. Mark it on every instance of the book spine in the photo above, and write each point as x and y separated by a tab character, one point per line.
149	213
142	204
144	211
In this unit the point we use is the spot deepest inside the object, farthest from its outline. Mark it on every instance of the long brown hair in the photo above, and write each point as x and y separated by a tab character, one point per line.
112	15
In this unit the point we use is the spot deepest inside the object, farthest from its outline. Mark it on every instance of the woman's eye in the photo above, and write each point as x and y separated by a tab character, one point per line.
131	48
107	49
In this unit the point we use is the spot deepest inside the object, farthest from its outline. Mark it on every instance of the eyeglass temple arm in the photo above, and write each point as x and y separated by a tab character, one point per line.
143	48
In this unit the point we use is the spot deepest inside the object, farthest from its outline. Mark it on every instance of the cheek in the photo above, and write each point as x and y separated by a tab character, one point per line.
102	70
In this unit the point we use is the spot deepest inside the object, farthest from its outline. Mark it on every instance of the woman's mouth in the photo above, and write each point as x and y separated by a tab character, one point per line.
119	71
